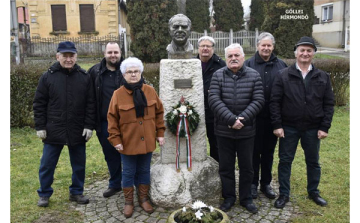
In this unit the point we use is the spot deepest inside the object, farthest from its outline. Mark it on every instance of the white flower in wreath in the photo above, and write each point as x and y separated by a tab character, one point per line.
184	209
175	112
198	214
182	109
190	112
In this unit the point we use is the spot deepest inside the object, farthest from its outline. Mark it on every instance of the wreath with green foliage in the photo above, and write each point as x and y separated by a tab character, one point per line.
173	117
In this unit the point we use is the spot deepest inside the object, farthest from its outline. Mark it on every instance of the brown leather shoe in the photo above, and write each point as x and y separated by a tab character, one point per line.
129	201
143	198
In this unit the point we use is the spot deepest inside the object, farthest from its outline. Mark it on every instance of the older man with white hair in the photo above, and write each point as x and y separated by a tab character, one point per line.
210	62
236	97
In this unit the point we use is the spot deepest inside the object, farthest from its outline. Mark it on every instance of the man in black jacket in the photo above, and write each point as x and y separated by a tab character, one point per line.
64	114
210	62
107	77
301	107
236	97
268	65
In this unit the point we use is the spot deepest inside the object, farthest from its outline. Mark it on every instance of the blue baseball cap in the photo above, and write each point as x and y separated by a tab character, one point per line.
66	47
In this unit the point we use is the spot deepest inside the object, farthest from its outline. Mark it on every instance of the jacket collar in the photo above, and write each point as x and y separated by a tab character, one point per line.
103	67
57	67
260	60
314	72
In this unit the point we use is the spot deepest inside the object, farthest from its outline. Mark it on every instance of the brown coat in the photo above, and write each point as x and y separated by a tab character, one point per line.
137	135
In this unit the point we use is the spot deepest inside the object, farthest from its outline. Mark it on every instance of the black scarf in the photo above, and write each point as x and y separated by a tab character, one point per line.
140	101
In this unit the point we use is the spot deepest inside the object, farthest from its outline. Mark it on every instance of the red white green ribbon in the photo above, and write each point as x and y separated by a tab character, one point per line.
183	122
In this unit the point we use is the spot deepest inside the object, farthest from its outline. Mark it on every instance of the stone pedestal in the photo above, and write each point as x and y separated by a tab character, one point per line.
168	187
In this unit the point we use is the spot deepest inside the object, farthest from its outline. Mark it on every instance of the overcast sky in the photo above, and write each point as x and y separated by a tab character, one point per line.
246	5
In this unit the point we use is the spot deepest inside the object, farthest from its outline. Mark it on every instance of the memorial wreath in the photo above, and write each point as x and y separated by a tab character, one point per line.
183	110
182	121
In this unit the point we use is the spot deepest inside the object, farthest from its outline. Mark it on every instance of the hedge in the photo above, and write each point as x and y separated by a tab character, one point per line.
24	80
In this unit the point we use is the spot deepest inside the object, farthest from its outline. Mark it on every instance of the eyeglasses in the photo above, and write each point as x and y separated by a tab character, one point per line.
206	46
131	72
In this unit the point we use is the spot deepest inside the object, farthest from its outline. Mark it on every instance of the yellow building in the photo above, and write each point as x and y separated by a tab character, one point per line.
73	18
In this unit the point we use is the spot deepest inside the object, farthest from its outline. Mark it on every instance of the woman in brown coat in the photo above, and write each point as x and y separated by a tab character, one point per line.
136	120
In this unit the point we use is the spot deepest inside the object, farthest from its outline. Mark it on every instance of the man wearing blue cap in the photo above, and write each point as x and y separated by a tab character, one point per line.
64	114
301	108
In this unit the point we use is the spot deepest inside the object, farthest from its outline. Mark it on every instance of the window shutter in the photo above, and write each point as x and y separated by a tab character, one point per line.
87	18
58	16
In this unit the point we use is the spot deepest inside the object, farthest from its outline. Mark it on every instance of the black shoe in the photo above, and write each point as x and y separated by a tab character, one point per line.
43	202
226	206
79	198
254	193
318	200
111	191
281	201
251	208
268	191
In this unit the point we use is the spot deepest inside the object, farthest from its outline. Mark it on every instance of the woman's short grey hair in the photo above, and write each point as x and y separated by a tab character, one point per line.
265	35
209	38
131	62
234	46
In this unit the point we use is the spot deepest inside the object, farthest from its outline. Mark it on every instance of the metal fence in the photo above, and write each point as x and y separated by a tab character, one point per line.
247	39
94	46
85	45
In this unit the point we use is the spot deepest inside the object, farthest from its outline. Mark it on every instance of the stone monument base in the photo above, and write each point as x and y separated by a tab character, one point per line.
170	188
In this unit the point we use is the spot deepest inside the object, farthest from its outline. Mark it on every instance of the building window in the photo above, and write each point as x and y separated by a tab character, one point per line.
58	16
87	18
327	13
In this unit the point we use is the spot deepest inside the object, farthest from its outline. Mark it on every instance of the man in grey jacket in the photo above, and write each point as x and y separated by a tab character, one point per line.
236	97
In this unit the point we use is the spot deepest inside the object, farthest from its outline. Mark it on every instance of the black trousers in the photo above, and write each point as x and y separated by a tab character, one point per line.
264	147
212	141
229	149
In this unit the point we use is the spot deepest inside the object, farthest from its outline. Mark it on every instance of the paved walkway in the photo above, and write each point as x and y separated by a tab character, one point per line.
109	210
334	52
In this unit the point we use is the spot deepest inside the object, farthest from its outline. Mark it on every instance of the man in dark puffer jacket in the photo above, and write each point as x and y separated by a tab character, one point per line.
236	97
64	114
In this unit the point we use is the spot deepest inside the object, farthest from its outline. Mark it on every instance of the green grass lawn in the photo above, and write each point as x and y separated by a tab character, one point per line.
26	151
335	179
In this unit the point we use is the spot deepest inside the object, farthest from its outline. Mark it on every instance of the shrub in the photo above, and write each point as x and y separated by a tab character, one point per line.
288	20
152	74
23	84
148	42
198	13
228	15
339	71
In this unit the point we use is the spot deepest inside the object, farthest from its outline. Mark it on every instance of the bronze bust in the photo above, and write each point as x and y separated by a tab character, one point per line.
179	28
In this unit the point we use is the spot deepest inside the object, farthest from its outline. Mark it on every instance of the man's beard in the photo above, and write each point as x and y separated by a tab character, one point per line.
116	64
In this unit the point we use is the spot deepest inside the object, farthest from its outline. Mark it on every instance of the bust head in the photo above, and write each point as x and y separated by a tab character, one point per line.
179	28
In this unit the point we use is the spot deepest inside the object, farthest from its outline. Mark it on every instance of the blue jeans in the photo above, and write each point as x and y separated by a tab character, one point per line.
112	157
49	160
287	149
136	169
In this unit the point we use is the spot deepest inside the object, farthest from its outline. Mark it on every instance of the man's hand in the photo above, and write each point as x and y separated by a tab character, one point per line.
119	147
87	133
41	134
322	134
238	124
279	133
161	140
